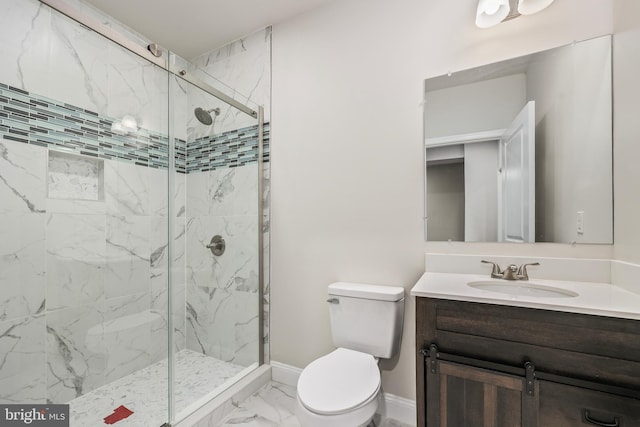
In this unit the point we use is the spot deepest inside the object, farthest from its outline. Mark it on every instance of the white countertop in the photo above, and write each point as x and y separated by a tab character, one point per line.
601	299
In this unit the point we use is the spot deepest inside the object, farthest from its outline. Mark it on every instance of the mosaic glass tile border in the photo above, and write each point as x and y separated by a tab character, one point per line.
37	120
227	150
42	121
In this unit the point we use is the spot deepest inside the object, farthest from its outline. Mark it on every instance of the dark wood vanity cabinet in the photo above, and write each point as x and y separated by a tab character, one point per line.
565	405
469	396
485	365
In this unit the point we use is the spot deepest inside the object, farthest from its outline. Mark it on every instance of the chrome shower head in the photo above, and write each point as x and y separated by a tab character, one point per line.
204	116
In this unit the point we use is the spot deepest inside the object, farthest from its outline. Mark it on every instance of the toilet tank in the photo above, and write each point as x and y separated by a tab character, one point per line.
367	318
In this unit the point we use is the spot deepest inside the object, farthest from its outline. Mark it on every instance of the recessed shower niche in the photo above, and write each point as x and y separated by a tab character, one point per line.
74	177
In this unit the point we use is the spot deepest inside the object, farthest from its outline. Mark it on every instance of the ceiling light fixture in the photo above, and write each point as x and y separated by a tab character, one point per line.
529	7
493	12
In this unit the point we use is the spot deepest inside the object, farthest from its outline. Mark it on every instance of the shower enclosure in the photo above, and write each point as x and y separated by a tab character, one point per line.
130	222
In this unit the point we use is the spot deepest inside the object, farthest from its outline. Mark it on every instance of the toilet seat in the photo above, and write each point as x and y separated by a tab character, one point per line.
339	382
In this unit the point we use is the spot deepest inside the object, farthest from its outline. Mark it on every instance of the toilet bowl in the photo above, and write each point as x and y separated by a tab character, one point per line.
339	389
343	388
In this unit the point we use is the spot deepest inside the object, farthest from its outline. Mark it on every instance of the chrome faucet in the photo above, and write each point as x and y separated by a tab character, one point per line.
512	272
522	271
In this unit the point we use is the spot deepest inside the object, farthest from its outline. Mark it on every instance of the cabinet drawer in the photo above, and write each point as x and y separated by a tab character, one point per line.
601	336
568	406
591	348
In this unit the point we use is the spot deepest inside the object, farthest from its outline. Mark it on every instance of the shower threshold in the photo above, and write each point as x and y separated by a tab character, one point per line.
198	378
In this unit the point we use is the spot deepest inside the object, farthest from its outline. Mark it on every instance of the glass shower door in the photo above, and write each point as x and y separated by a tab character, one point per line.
217	341
83	221
129	209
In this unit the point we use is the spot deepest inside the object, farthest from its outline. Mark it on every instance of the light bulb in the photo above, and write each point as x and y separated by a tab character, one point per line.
491	7
491	12
529	7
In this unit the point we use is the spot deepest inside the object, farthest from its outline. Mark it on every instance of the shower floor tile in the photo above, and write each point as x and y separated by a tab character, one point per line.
145	392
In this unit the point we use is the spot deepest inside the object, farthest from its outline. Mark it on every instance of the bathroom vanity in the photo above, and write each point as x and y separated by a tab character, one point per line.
491	359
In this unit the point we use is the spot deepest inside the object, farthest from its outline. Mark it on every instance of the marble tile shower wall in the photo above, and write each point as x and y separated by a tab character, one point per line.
76	273
218	200
222	199
69	268
242	69
74	270
97	263
46	53
222	292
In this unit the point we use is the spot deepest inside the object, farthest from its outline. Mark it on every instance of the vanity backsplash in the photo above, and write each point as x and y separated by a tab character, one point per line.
623	274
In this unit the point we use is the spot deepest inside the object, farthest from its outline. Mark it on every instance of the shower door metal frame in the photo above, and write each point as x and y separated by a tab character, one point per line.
144	52
106	31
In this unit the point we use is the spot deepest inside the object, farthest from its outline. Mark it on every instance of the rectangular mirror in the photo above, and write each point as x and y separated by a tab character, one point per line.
521	150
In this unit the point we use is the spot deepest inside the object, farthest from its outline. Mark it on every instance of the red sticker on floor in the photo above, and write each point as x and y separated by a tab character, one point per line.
119	414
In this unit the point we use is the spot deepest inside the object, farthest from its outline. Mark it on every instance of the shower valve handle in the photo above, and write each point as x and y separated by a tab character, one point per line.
217	245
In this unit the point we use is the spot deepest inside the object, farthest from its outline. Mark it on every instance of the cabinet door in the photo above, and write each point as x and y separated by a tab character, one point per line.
465	396
569	406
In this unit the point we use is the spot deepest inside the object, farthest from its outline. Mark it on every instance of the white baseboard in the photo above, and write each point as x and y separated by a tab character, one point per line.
398	408
391	406
285	374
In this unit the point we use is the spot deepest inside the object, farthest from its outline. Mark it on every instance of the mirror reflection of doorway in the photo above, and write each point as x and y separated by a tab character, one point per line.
573	137
481	186
516	187
445	211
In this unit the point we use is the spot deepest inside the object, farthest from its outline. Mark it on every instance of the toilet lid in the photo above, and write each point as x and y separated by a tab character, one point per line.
338	382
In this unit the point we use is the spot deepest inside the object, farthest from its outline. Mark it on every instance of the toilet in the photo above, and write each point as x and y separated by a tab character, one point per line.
342	388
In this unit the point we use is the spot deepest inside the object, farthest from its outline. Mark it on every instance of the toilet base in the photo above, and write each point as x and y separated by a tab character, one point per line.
360	417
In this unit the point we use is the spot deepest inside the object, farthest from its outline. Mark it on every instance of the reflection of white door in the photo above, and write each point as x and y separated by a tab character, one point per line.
516	183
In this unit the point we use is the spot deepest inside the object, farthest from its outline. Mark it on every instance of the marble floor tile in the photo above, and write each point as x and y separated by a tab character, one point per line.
145	393
274	405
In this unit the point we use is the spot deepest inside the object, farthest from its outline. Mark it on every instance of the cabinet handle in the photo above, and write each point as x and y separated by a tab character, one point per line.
586	416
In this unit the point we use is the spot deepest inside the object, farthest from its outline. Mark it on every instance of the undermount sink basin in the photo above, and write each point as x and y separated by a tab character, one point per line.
522	289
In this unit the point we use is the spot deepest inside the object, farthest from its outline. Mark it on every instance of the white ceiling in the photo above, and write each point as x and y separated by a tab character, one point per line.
192	27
